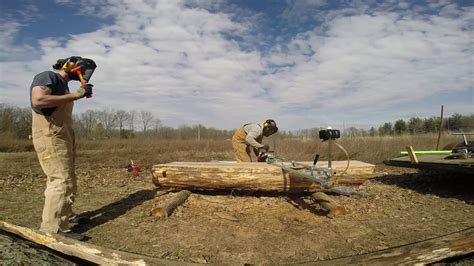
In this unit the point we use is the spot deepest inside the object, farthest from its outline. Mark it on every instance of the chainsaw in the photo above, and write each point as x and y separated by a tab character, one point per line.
324	176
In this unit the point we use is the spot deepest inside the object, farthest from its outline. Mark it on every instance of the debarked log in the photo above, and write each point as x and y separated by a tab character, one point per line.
235	176
89	253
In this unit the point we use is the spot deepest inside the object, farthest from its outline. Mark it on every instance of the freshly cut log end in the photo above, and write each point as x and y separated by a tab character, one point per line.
241	176
337	211
329	204
157	212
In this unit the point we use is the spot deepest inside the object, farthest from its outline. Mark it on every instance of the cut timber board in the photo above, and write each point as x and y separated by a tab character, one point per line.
244	176
82	250
435	162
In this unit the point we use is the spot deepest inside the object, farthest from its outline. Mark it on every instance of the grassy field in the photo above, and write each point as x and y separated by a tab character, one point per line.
116	152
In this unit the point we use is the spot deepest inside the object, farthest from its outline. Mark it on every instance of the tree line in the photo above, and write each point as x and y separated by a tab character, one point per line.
111	123
108	123
416	125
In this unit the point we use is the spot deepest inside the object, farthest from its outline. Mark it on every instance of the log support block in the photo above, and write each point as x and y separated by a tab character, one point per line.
328	204
166	208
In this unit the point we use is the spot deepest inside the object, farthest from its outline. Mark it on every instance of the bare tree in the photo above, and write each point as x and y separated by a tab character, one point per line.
131	119
122	117
89	120
108	118
146	119
157	123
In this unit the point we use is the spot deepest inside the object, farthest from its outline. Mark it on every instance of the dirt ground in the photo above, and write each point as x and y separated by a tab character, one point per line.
231	227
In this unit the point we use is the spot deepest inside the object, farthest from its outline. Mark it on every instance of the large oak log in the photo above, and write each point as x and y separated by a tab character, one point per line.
241	176
82	250
166	208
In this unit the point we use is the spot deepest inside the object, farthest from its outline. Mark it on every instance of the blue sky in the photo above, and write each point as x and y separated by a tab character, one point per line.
224	63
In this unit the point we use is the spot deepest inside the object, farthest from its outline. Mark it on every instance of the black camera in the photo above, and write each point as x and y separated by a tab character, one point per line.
327	134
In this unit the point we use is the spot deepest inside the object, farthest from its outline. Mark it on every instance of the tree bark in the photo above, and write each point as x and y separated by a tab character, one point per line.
165	209
237	176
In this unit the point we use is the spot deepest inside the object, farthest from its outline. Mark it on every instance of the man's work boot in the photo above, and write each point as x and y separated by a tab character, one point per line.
79	220
72	235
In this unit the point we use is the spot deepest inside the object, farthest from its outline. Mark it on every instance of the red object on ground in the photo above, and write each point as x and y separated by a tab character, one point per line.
135	168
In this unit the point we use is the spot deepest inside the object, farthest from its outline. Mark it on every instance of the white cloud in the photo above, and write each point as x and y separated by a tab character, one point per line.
178	62
8	50
366	63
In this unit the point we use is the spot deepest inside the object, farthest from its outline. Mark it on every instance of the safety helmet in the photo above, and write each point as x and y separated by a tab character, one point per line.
270	125
73	64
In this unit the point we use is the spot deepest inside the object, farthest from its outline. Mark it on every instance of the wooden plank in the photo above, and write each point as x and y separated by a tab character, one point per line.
424	252
435	162
438	159
412	155
239	176
85	251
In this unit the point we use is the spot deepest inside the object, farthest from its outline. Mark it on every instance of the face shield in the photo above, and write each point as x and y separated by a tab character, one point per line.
86	66
75	65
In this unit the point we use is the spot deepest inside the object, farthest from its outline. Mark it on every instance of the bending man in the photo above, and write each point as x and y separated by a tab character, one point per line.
53	137
250	136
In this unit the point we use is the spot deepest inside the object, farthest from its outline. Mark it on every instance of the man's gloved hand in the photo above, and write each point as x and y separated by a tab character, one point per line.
263	150
84	91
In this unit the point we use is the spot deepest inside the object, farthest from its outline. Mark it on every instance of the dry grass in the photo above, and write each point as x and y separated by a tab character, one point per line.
368	149
10	143
147	152
117	153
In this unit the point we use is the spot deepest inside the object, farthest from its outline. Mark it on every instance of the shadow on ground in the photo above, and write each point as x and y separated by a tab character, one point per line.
295	199
299	203
438	183
113	210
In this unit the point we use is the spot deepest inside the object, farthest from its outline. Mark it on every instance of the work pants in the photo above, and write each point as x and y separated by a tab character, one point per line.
53	139
241	148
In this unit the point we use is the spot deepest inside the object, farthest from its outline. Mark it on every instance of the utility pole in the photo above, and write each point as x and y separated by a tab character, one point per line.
199	132
440	128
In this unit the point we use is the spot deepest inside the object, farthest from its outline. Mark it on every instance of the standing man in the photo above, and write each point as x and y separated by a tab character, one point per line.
53	137
250	136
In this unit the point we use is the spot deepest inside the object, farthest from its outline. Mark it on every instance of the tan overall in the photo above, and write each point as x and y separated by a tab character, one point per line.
53	139
241	148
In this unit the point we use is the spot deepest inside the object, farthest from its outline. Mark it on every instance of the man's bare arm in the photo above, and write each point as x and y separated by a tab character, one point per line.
41	98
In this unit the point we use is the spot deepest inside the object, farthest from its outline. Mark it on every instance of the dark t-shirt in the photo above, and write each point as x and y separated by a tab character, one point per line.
55	82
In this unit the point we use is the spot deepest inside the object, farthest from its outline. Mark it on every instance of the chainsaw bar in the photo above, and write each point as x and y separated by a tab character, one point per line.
323	176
